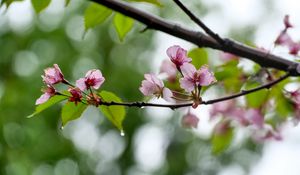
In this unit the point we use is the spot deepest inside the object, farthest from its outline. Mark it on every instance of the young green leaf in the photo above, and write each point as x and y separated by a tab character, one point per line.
221	140
256	99
95	14
199	57
71	111
53	100
40	5
123	25
115	114
155	2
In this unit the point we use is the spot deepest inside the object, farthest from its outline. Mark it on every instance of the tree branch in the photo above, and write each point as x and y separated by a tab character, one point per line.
175	106
200	23
200	39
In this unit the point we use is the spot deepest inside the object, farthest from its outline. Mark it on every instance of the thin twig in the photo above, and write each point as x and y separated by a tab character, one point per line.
200	23
175	106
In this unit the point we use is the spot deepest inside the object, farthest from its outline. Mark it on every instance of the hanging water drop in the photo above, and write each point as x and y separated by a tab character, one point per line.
62	127
122	133
142	107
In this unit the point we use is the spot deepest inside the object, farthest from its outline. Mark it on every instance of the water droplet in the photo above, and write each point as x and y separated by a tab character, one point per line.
122	133
62	127
142	107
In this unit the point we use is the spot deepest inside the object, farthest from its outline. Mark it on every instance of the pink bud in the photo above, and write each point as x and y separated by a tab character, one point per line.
286	22
75	95
284	39
53	75
48	93
190	120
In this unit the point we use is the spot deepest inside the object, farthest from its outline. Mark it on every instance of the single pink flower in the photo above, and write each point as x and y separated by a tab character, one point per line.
284	39
53	75
154	86
286	22
255	117
178	55
190	120
170	69
75	95
230	110
93	78
48	93
193	78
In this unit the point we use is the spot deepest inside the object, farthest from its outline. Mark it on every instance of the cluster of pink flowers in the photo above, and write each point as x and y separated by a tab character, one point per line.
284	39
191	81
92	80
245	117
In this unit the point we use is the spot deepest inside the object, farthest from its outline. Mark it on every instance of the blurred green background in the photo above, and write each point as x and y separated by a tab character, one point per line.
154	142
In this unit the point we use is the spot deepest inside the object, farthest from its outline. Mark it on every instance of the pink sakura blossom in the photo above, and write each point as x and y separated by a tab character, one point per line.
228	56
178	55
267	133
53	75
154	86
193	78
48	93
190	120
286	22
170	69
284	39
93	78
230	110
255	117
75	95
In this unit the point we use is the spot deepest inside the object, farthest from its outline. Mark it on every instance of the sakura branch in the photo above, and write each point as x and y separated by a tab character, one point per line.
265	59
200	23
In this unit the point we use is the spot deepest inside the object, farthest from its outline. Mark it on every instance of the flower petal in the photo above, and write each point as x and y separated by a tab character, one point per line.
43	98
207	77
167	94
186	84
80	83
188	70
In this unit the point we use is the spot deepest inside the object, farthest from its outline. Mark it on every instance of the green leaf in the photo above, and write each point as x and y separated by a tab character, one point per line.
40	5
283	106
71	111
155	2
95	14
53	100
115	114
8	2
256	99
199	57
67	2
123	25
221	140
